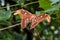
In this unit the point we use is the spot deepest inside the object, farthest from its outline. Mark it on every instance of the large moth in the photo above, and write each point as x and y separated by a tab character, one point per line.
27	17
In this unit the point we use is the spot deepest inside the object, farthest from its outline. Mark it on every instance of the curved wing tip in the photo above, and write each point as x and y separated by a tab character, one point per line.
49	19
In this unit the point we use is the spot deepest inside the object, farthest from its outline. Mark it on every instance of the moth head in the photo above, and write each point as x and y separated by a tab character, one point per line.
20	11
17	12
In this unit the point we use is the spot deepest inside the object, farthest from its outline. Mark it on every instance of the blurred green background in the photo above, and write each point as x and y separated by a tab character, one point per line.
44	31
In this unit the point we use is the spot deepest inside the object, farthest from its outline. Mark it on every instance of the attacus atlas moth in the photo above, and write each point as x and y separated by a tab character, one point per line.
27	17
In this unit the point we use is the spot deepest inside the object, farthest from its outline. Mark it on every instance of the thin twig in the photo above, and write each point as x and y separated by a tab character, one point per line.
10	27
12	5
30	3
23	5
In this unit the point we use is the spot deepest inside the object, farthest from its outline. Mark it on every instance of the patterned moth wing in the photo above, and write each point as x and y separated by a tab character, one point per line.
39	19
25	17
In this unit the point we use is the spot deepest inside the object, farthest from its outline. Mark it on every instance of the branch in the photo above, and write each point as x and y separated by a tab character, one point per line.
23	5
10	27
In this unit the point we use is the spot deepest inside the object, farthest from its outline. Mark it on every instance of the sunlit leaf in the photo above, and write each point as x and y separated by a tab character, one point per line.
2	2
53	27
54	1
56	32
8	7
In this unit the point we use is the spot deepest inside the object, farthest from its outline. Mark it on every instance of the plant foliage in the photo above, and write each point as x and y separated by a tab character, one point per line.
43	30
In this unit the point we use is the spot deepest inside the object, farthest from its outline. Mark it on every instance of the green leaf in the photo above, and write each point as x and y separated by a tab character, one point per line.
8	37
45	4
53	8
5	23
8	14
4	15
38	27
37	12
24	37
